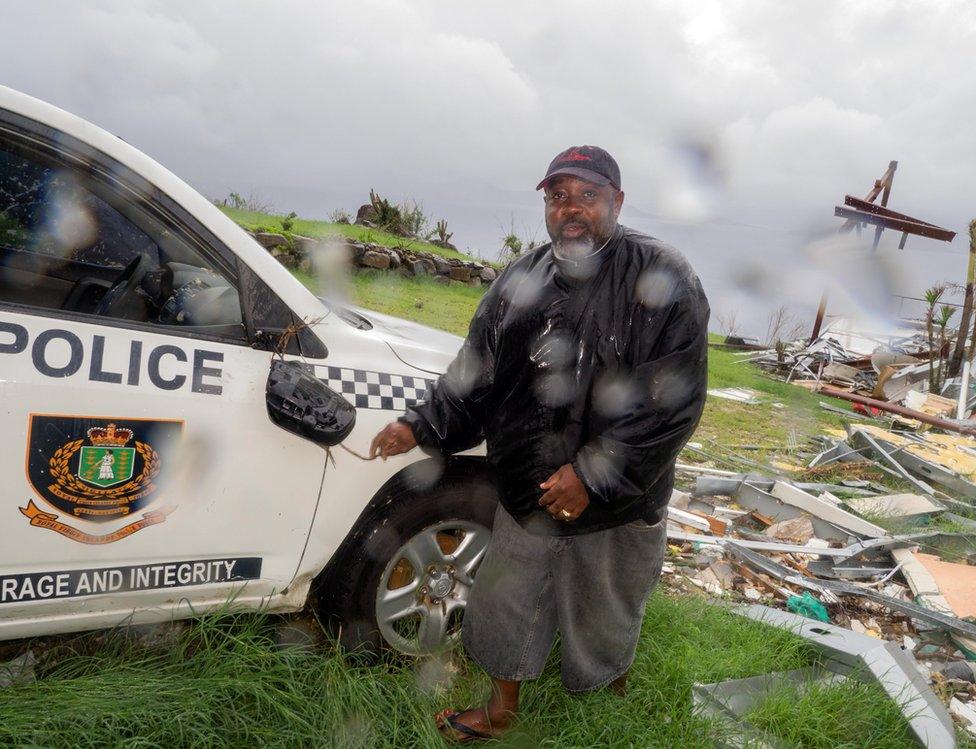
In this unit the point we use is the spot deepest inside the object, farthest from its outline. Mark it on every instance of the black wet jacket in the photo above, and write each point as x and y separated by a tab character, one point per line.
601	365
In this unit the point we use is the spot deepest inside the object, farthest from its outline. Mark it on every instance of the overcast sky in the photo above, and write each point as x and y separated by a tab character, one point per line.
737	126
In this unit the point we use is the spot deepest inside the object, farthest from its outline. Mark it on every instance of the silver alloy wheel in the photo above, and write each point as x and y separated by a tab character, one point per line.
437	589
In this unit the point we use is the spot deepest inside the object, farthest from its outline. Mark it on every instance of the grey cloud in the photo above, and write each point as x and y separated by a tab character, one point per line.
737	126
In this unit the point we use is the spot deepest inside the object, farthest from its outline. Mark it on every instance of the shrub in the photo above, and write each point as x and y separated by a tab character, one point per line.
388	216
340	216
251	203
414	220
288	221
403	219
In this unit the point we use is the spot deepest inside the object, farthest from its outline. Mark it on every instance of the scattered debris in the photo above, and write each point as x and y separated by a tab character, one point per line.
947	460
799	530
740	395
894	506
862	656
808	606
965	712
861	539
956	582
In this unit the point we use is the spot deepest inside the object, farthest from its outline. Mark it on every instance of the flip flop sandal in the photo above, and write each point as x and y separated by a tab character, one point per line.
467	733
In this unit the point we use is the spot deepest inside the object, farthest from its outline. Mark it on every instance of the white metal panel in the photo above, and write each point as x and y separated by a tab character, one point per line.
242	487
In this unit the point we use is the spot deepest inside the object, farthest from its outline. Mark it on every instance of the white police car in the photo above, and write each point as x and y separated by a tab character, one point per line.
159	458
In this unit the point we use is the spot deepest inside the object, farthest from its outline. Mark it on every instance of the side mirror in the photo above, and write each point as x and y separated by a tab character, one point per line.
301	403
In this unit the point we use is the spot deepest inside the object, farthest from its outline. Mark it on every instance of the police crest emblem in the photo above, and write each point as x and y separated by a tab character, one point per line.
97	470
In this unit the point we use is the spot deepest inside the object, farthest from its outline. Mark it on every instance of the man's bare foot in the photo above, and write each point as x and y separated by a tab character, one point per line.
477	724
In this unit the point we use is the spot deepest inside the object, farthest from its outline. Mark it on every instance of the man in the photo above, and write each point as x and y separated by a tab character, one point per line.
584	370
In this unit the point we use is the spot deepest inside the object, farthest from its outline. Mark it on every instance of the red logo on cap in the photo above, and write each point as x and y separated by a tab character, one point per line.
574	154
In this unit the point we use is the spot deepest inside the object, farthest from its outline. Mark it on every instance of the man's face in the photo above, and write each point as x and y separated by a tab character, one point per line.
580	216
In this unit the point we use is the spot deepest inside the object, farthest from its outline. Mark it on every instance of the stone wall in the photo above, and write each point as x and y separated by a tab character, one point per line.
294	251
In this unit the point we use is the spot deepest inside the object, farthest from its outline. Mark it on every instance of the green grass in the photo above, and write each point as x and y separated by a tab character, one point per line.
224	684
255	221
809	717
761	432
421	299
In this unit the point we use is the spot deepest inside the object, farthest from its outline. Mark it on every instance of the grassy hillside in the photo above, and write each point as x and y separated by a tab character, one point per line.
255	221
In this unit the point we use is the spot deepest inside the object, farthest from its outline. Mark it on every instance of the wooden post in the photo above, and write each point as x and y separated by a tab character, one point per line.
967	305
881	187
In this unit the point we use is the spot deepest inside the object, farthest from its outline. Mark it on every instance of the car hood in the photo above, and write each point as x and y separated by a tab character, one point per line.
420	346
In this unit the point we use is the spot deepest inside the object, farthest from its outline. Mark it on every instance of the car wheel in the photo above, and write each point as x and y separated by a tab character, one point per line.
405	586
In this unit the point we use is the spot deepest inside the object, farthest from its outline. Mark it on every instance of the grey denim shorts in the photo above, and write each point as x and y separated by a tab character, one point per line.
590	588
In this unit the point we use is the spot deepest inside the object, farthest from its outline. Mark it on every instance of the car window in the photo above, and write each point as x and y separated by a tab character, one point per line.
69	241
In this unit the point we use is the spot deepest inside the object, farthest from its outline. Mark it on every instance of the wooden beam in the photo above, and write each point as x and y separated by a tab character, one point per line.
863	205
902	225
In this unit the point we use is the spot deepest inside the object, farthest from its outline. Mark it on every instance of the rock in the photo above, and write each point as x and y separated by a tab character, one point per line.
305	264
416	267
287	259
305	244
429	267
269	240
356	250
460	273
475	281
366	213
394	259
798	530
441	266
442	280
375	259
488	274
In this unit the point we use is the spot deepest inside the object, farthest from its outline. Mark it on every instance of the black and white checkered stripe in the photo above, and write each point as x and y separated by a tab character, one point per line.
364	389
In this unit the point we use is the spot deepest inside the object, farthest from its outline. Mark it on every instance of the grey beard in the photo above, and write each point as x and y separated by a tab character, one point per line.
572	250
577	258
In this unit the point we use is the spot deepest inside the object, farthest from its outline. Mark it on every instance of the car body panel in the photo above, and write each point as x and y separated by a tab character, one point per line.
243	489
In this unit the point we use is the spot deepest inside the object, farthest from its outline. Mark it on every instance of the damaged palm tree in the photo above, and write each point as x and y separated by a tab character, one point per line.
945	314
932	297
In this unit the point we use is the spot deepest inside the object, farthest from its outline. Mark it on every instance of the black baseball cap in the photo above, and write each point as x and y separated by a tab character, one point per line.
590	163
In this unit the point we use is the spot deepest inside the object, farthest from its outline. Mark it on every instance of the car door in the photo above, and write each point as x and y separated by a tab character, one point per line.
140	471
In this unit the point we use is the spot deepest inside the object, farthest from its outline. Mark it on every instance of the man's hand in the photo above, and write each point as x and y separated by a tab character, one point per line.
395	438
565	497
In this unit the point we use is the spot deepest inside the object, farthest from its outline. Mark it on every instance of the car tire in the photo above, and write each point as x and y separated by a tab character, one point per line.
382	601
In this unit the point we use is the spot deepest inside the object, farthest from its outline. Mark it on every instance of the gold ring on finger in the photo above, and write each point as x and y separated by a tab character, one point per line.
566	513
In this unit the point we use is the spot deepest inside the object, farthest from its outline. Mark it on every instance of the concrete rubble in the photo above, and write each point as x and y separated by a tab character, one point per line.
893	570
